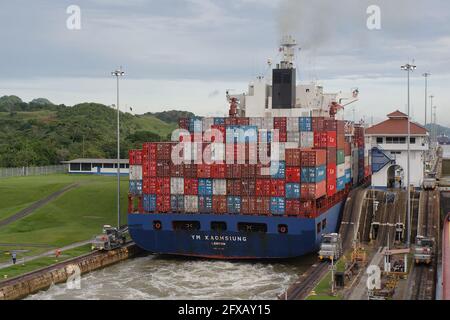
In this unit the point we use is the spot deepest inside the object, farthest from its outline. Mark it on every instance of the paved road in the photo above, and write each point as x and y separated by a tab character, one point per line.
44	254
38	204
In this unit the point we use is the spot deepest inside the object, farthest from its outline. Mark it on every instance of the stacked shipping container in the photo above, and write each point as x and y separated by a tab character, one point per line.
314	160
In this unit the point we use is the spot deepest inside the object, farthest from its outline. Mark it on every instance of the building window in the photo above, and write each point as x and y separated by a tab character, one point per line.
86	167
74	167
379	140
396	140
98	165
122	165
108	165
412	140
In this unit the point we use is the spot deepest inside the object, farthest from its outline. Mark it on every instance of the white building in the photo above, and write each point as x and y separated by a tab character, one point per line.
97	166
388	144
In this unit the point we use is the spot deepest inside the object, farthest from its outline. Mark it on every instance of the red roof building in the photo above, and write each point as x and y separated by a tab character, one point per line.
397	124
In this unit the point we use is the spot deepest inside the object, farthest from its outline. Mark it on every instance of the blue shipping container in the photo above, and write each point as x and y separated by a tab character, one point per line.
242	134
177	202
313	174
305	123
149	202
205	204
292	190
277	205
340	184
234	204
348	175
278	169
135	187
219	121
205	187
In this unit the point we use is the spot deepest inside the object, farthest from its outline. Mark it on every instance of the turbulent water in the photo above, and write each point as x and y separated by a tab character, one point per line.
155	277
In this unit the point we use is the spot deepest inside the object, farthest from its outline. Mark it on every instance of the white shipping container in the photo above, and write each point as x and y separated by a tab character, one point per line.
277	151
177	186
135	172
256	121
219	187
340	170
293	136
267	123
292	124
291	145
348	162
307	139
207	123
217	152
191	204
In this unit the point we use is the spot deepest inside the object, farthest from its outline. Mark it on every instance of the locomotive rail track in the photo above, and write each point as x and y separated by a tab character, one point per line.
301	289
424	276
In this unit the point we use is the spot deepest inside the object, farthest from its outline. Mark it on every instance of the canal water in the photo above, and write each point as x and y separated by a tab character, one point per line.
156	277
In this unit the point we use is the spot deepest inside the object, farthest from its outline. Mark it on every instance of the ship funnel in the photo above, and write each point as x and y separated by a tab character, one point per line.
283	77
287	47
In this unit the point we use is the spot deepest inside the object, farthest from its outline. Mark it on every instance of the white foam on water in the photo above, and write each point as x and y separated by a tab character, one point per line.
155	277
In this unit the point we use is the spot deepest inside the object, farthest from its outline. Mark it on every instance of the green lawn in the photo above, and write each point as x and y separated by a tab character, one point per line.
33	265
75	216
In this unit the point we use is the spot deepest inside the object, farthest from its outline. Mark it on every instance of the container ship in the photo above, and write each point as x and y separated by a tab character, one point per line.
265	182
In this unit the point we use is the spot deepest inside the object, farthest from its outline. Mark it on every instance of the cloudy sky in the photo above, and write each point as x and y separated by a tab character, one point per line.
184	54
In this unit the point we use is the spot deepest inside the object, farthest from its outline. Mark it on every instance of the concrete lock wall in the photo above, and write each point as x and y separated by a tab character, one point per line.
22	286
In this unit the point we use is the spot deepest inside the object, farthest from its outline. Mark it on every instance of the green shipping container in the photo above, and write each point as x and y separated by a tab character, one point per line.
340	157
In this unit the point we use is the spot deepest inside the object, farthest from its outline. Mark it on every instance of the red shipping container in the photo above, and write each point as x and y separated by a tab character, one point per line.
149	185
204	171
277	188
234	187
307	208
248	170
219	204
313	191
245	205
263	187
242	121
163	168
340	127
163	186
149	169
280	123
293	175
293	207
347	149
248	187
313	158
317	124
320	139
218	171
262	205
331	187
331	171
190	170
331	139
176	170
233	171
340	141
163	203
331	155
218	134
282	136
149	151
190	186
164	150
330	125
293	157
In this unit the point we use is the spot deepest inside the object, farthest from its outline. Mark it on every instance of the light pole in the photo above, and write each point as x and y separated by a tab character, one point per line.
408	67
426	75
118	73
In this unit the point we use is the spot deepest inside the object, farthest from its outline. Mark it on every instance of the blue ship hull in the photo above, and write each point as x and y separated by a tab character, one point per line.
303	236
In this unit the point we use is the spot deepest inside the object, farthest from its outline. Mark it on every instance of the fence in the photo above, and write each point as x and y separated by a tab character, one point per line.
32	171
